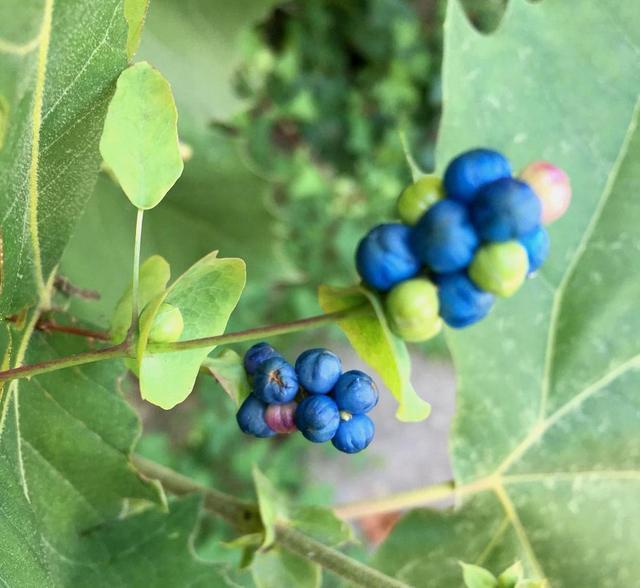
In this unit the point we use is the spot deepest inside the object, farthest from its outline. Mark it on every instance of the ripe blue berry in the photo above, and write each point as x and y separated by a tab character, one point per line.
317	418
537	245
275	381
251	416
385	258
462	303
444	238
471	170
505	209
355	392
318	370
354	433
256	355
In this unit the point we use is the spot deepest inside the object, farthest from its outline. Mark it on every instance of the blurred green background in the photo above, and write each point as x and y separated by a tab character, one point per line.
292	113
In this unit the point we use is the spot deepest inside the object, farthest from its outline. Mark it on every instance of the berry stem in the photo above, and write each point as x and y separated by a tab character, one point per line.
245	517
125	349
136	271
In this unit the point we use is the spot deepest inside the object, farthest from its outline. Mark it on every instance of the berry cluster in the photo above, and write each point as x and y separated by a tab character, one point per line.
465	239
315	398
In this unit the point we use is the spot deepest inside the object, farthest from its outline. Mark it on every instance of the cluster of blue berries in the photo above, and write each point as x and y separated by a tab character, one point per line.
465	239
315	397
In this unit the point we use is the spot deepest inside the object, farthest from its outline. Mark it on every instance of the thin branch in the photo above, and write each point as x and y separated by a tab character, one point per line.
136	271
50	326
245	518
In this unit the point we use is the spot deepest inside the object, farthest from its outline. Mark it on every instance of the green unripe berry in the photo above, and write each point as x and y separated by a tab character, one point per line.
418	198
167	325
412	310
500	268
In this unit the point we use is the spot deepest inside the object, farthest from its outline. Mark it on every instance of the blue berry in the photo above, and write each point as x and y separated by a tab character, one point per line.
250	418
355	392
318	370
506	209
256	355
537	245
384	257
354	433
275	381
462	303
317	418
471	170
444	238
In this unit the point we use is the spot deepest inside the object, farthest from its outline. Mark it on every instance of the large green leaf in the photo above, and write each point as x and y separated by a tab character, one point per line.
58	66
546	435
66	479
206	35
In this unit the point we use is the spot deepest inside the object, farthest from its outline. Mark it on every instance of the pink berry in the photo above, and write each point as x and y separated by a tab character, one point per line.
279	417
551	184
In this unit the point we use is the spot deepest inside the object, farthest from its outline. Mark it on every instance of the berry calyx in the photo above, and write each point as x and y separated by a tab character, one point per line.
280	417
256	355
444	238
472	170
384	257
505	209
318	370
417	198
500	268
551	185
354	435
537	244
412	310
317	418
462	303
355	393
251	418
275	381
167	324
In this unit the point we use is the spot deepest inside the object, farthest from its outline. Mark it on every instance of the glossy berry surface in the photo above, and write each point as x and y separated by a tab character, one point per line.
280	417
551	185
412	310
167	325
318	370
251	418
317	418
417	198
505	209
275	381
444	239
471	170
500	268
462	303
256	355
537	244
354	434
384	257
355	392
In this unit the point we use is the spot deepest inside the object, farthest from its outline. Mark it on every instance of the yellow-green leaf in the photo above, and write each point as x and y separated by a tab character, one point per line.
140	138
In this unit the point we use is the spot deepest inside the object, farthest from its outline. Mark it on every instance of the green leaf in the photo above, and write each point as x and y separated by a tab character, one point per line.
477	577
511	576
140	138
58	67
207	38
546	434
321	524
273	507
372	339
228	370
277	568
135	11
206	295
154	277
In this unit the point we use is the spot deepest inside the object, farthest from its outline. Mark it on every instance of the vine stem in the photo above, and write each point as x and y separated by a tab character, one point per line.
125	348
245	517
136	271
